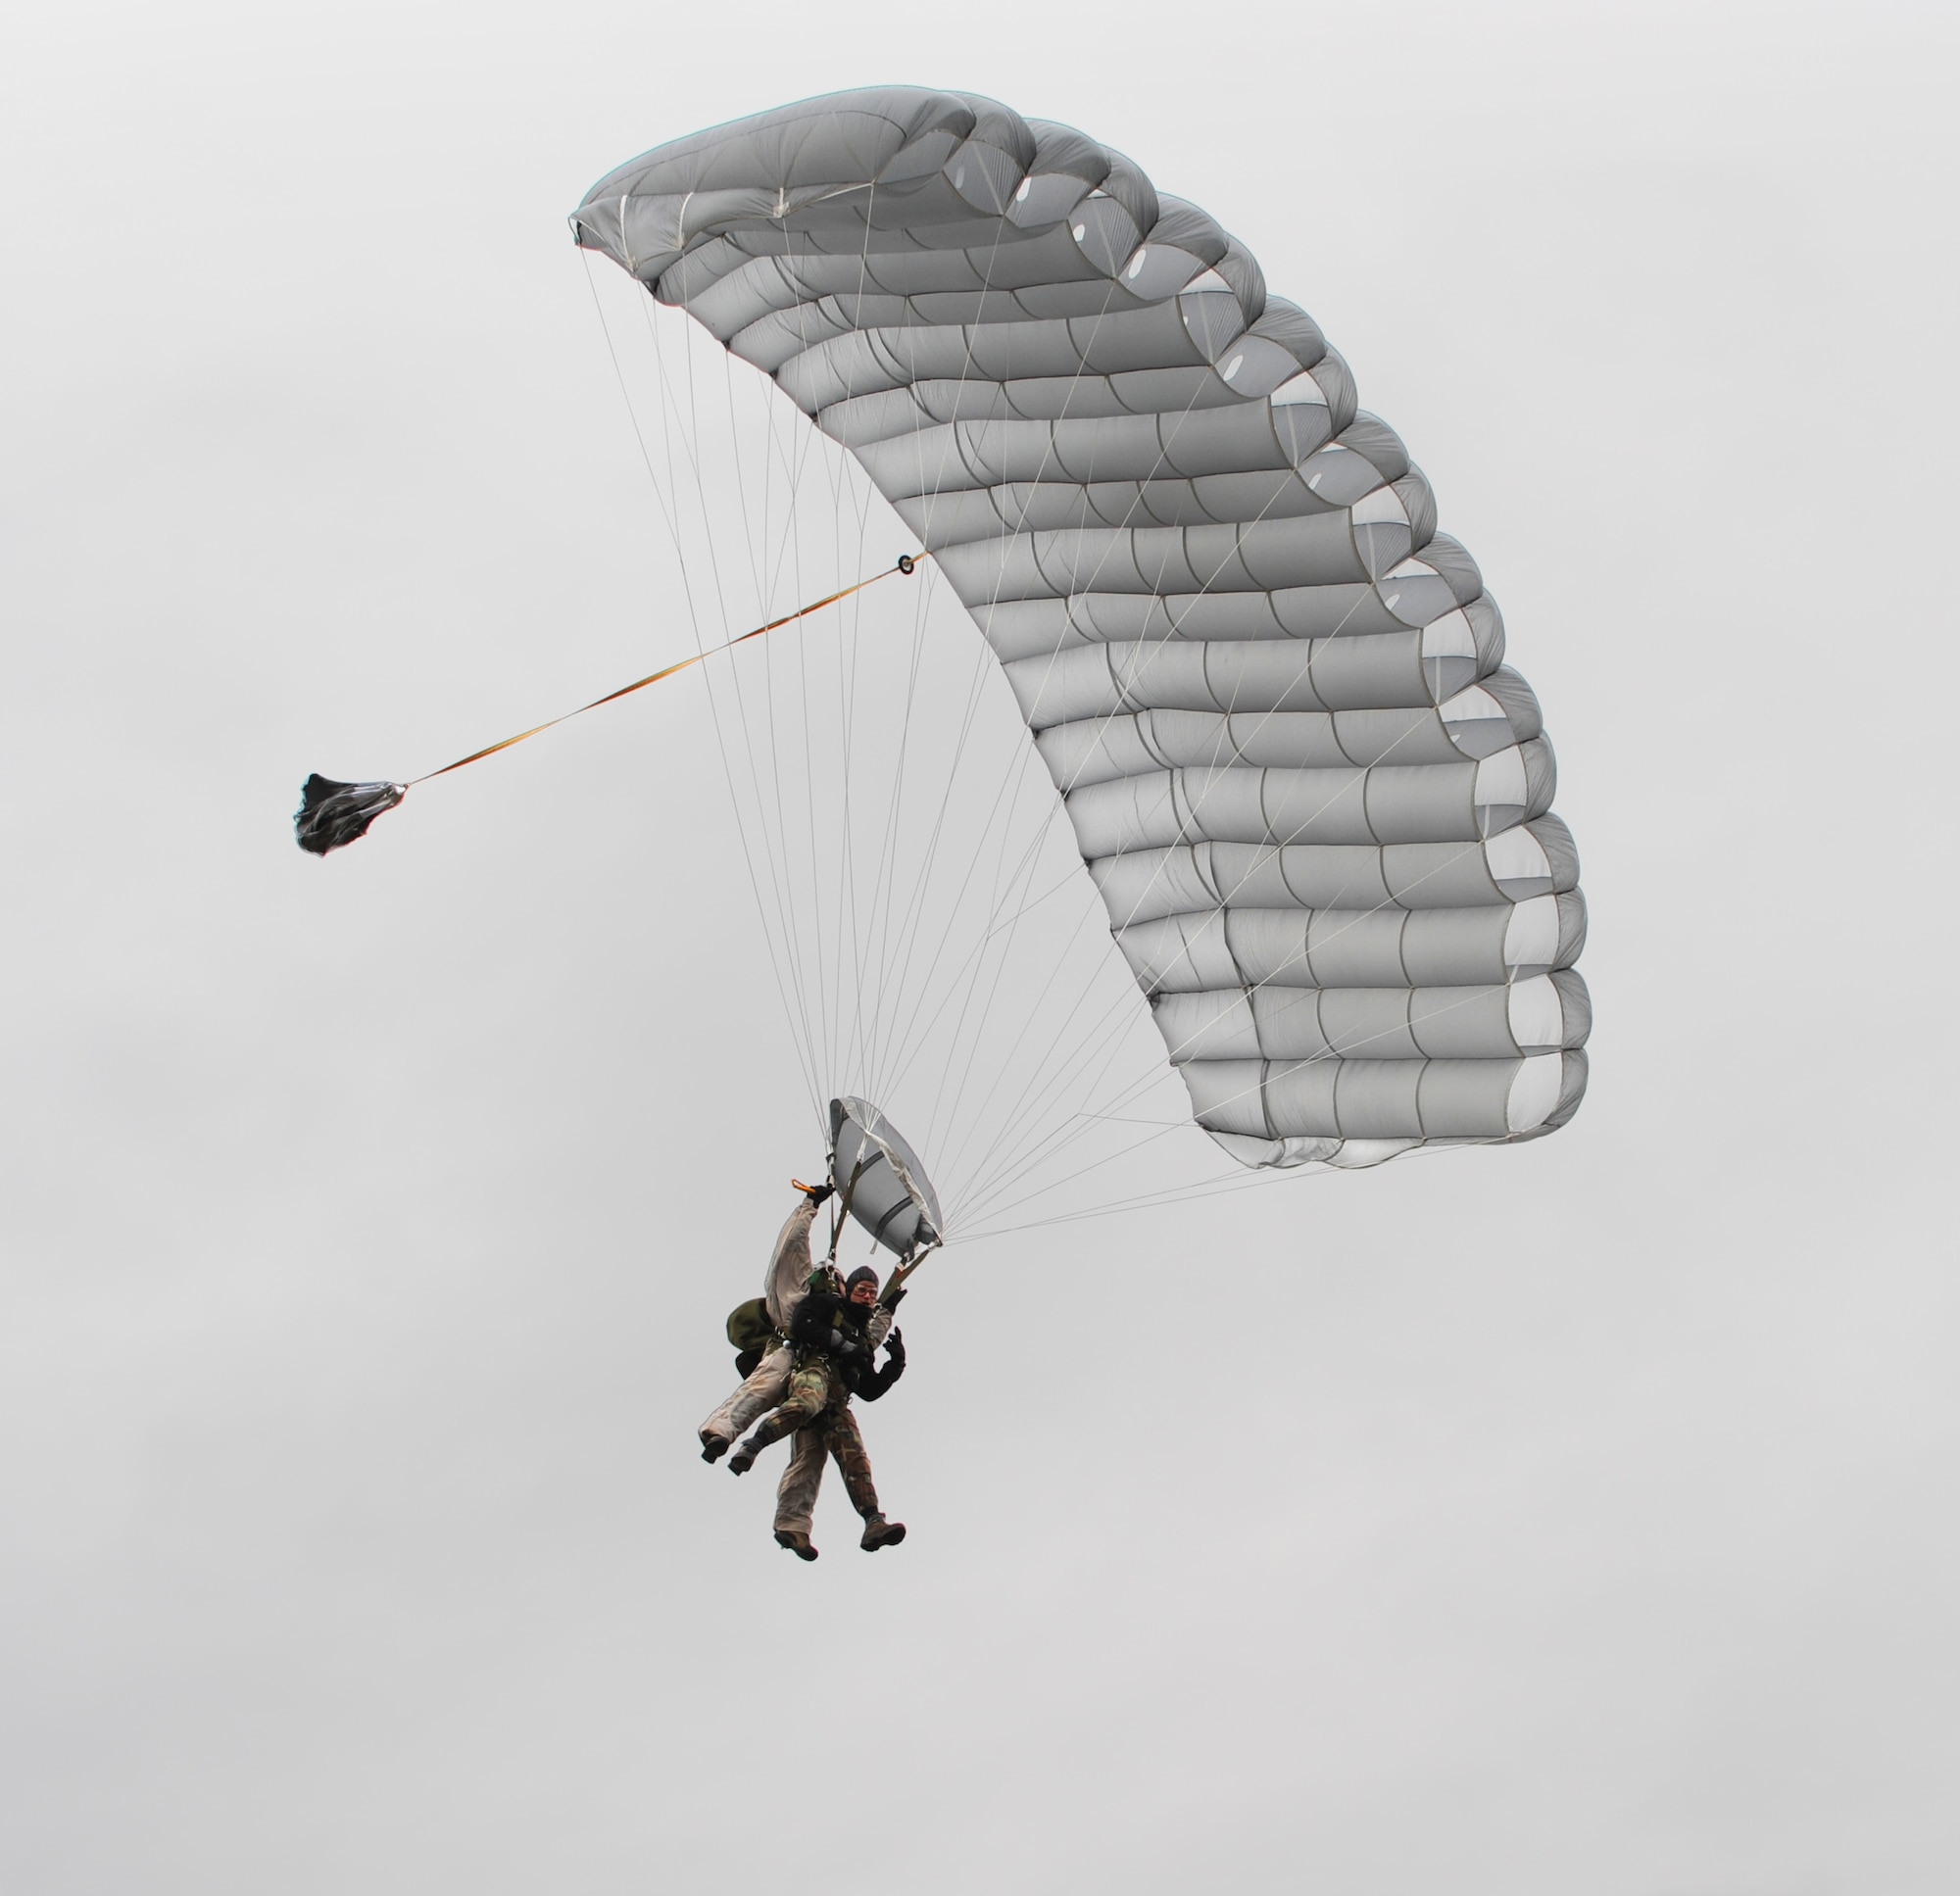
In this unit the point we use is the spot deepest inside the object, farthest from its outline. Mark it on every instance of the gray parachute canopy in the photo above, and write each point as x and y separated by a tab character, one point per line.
1271	695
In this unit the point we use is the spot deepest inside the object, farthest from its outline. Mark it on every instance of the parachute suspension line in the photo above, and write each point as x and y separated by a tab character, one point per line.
895	1040
1008	888
1015	1154
670	515
890	839
972	1191
791	545
1070	879
888	851
978	1202
751	545
795	462
1238	1179
894	1013
1166	1196
798	981
1015	885
1004	890
1214	1185
783	882
1060	1070
1094	974
760	543
1156	1067
850	921
911	1043
868	1007
769	553
1014	882
974	1198
907	918
803	442
669	414
777	549
1055	1137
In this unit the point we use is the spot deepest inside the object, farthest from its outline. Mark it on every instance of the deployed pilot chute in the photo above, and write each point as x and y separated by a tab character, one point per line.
333	814
1271	696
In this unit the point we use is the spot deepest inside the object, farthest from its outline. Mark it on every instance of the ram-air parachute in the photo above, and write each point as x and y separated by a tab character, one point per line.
1271	696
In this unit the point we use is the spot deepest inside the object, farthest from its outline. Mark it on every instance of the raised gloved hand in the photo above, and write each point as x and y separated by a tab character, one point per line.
815	1193
895	1347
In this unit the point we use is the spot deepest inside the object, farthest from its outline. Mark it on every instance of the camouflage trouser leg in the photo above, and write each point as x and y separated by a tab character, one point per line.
763	1389
809	1391
834	1434
846	1450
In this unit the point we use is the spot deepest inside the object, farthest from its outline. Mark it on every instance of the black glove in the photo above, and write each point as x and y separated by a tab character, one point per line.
895	1347
817	1194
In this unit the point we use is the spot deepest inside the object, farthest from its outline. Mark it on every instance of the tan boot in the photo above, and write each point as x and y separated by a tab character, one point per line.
797	1543
880	1532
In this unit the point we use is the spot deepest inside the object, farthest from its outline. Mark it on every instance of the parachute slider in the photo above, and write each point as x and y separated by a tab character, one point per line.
333	814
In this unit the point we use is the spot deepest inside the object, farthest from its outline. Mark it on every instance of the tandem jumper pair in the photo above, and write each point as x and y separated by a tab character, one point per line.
808	1344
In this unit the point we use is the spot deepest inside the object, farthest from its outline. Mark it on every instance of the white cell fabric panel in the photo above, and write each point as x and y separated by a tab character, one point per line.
1271	695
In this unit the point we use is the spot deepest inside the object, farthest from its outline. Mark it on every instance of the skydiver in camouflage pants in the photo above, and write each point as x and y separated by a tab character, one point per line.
833	1362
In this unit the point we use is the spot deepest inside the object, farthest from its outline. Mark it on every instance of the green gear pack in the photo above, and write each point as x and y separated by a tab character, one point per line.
750	1328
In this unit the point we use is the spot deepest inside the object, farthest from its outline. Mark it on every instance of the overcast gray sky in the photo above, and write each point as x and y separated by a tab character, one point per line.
1572	1518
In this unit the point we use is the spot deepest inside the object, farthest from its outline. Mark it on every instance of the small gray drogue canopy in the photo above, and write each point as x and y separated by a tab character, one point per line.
881	1180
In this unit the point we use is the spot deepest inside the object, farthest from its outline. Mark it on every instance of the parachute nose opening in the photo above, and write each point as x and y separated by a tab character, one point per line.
881	1178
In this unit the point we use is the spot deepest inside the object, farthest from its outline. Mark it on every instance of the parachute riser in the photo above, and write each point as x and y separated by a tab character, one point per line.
897	1281
843	1210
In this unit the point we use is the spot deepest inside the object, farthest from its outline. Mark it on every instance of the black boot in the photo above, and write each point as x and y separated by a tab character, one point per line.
744	1458
797	1543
